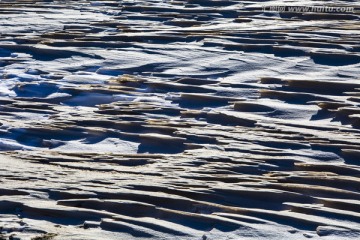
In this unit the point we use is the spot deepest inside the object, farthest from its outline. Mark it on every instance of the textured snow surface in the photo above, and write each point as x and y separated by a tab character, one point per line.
178	119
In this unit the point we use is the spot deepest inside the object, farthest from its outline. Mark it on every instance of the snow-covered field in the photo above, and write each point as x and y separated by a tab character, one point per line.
179	119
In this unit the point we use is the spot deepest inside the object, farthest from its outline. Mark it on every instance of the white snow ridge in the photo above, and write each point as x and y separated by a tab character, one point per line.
180	120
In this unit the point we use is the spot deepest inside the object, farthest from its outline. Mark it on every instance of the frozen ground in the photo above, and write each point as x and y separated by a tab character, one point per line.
183	119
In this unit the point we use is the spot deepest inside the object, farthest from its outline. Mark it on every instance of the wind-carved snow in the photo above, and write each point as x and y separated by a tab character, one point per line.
186	119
